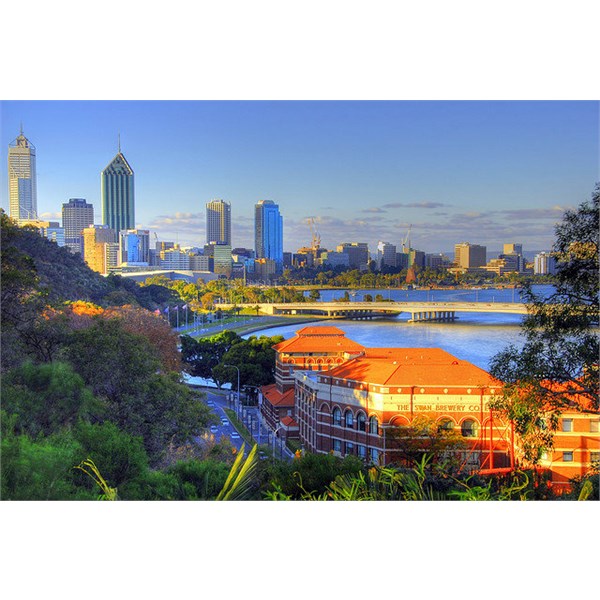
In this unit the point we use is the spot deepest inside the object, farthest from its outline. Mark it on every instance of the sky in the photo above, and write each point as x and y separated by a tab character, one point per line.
484	172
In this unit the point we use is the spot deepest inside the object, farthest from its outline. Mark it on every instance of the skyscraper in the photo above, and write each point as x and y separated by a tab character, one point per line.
77	214
268	232
218	222
469	256
100	248
22	179
118	206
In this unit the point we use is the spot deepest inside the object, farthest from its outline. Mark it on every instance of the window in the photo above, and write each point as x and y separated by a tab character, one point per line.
568	456
348	419
594	457
374	425
446	425
469	428
337	446
349	449
361	451
375	456
361	421
567	424
594	423
337	416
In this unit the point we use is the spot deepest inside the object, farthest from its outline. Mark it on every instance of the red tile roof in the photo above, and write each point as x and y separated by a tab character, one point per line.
319	339
289	422
275	397
405	367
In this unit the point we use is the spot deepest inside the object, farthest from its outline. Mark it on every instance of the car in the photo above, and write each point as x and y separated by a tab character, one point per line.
235	436
224	422
214	429
210	403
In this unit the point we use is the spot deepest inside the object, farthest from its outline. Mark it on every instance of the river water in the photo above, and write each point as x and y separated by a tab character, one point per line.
475	337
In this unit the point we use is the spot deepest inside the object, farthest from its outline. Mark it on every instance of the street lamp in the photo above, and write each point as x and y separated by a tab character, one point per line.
238	386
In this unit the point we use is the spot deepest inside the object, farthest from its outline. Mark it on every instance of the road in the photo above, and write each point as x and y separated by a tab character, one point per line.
219	400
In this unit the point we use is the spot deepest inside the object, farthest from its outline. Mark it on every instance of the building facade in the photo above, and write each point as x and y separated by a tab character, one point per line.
77	214
134	246
544	264
358	254
469	256
117	192
22	180
218	222
268	232
386	255
100	248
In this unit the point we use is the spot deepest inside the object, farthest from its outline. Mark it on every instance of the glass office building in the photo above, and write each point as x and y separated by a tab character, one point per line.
268	232
118	208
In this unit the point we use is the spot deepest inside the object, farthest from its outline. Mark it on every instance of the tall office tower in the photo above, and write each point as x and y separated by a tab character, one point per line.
100	248
54	232
268	232
77	214
118	206
218	222
469	256
22	180
544	264
386	255
358	254
134	246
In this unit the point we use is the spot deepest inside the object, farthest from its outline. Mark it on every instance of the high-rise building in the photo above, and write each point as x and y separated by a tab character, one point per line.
218	222
100	248
469	256
386	255
544	264
268	232
22	179
513	249
118	204
54	232
77	214
358	254
134	246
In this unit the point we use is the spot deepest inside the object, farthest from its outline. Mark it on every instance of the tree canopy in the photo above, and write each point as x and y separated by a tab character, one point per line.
557	366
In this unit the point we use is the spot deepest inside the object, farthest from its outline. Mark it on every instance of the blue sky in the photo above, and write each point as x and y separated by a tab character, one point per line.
479	171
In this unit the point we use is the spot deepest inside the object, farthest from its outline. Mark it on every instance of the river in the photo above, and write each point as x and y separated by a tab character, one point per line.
475	337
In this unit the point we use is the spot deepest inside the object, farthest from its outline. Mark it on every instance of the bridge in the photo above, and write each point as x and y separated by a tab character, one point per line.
419	311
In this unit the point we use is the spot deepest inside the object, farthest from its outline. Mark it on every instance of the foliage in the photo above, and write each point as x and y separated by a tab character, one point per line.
240	483
314	471
120	454
424	436
89	468
46	398
557	367
39	469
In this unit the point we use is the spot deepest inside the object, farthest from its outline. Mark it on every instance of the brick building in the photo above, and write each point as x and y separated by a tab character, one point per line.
339	397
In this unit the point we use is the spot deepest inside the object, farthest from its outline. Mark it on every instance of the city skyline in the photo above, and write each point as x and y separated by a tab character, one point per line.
484	172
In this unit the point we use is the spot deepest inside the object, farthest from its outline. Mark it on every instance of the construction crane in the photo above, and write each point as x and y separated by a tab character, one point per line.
406	239
315	237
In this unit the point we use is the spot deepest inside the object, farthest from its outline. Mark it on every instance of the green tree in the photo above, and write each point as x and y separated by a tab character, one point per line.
558	361
119	455
47	398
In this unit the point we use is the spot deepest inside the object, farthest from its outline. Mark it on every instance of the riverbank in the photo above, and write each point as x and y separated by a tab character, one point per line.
249	326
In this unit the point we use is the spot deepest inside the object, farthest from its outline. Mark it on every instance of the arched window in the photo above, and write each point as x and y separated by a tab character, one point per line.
348	419
337	416
361	421
374	425
469	428
446	425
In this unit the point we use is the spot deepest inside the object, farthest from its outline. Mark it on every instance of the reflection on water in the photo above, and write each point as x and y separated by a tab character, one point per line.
475	337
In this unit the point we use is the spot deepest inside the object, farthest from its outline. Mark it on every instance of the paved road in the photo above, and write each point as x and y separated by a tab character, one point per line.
219	400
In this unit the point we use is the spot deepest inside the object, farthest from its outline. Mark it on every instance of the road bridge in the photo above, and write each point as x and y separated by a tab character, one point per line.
419	311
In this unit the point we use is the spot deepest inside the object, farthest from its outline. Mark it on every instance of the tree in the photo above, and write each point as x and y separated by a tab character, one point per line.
557	367
47	398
